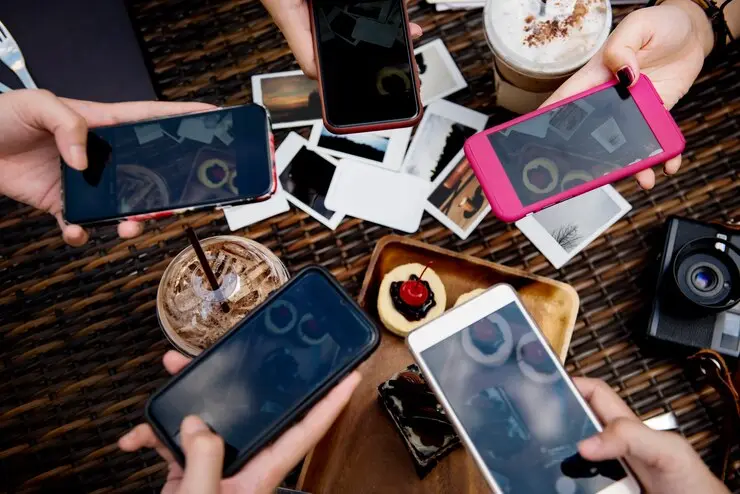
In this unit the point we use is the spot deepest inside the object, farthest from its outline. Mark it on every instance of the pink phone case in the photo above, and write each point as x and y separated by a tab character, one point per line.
499	190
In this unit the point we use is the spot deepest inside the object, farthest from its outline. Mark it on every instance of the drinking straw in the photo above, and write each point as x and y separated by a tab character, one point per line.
193	238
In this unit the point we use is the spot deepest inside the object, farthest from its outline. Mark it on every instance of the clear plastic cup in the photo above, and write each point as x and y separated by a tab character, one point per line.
191	314
529	64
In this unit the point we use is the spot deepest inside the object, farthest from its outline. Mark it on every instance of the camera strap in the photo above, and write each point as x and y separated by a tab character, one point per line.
713	366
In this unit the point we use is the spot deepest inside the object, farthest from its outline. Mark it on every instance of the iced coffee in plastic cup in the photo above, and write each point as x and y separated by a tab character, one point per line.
537	45
192	315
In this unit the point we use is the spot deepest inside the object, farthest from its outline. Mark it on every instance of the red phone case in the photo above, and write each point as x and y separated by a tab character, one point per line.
498	189
379	125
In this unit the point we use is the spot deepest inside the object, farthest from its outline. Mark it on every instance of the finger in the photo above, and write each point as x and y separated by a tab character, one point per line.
646	179
297	33
142	436
625	438
672	165
620	51
607	404
174	362
73	235
204	457
415	31
42	110
100	114
130	229
294	444
139	437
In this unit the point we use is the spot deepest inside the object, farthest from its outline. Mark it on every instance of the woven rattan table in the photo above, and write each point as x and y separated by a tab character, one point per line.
80	347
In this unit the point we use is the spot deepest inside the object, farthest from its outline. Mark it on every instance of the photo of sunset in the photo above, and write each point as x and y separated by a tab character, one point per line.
291	98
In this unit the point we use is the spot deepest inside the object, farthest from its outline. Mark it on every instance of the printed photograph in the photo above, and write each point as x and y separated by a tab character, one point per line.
439	75
571	222
292	100
458	199
307	178
562	231
365	145
441	139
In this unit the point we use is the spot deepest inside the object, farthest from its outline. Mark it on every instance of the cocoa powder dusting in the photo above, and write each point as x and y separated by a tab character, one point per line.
543	32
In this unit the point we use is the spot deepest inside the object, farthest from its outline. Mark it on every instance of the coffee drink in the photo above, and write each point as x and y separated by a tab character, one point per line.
192	315
537	46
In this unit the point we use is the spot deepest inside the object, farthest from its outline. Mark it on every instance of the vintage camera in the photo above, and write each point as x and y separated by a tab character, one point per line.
698	287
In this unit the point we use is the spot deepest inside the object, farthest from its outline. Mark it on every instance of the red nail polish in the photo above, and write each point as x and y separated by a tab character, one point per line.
626	76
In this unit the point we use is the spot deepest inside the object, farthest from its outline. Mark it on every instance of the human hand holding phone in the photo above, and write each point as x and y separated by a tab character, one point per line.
668	43
293	19
664	462
204	451
36	128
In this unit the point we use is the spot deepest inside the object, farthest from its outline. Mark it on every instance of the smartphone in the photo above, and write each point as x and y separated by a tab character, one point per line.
576	145
160	167
510	400
269	370
367	69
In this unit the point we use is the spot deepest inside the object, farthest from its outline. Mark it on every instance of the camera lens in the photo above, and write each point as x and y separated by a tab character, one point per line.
705	279
707	275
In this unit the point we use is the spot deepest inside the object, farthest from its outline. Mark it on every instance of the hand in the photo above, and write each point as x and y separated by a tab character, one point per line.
668	43
292	18
664	462
36	128
204	451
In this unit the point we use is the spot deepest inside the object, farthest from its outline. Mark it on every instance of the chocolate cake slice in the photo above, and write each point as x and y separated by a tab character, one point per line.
419	418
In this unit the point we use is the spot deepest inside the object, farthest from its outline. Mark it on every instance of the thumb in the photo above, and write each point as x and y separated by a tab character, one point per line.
620	51
626	438
204	457
43	111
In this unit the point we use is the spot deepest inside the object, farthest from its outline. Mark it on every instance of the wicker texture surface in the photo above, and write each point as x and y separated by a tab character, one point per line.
80	346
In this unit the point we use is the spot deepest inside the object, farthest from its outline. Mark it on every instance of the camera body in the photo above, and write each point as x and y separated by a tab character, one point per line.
697	297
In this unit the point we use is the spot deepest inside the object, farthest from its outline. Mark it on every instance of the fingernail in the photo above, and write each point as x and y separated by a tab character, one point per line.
79	155
590	445
193	425
626	76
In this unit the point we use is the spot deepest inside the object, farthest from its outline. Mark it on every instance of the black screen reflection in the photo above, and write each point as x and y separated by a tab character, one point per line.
574	144
215	157
270	365
516	407
365	61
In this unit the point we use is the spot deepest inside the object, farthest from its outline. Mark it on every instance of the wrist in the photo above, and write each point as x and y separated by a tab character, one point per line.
702	27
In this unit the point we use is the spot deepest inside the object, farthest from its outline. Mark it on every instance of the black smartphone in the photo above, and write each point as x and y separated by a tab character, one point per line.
366	65
163	166
269	370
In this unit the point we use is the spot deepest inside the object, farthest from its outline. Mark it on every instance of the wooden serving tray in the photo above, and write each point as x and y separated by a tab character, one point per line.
363	452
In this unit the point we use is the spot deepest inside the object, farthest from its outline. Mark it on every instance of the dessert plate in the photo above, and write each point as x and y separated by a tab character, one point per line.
362	453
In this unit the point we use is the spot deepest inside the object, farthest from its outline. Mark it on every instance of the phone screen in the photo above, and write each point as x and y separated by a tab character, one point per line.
210	158
365	61
518	410
574	144
266	368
